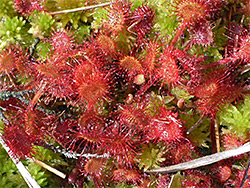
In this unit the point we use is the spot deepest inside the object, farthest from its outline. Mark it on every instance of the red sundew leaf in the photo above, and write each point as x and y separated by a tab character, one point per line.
196	178
95	135
62	41
222	172
131	64
7	61
100	50
126	175
33	123
61	131
19	142
190	10
94	166
141	21
165	127
134	116
84	71
236	177
122	143
231	141
106	44
129	69
58	79
28	6
215	89
93	89
201	33
90	133
243	51
168	70
149	63
23	63
180	151
117	16
91	84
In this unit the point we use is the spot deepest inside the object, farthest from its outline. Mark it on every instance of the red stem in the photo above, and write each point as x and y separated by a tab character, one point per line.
37	96
178	34
214	135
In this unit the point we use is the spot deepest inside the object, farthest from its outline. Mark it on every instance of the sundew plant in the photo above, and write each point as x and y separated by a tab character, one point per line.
112	93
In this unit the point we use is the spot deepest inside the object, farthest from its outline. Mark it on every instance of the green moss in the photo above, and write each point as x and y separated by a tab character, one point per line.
42	24
237	117
151	156
11	30
74	19
7	9
10	176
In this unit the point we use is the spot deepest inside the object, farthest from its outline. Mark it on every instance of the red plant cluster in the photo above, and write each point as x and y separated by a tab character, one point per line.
216	88
113	89
20	143
26	7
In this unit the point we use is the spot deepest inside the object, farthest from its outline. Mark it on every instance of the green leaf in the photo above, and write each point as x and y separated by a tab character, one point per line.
9	175
201	134
98	16
76	19
7	8
237	117
176	182
151	156
42	24
181	92
165	21
11	30
219	39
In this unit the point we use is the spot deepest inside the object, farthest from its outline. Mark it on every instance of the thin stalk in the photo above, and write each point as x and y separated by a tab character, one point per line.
171	181
212	135
80	9
196	124
37	96
49	168
72	155
11	80
23	171
246	172
217	135
178	34
203	161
